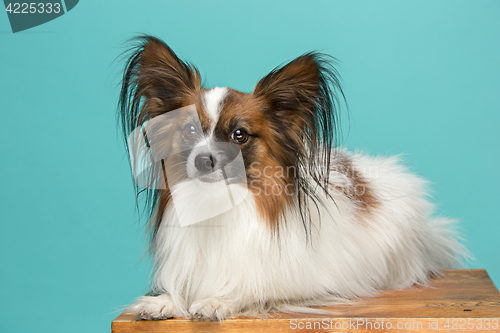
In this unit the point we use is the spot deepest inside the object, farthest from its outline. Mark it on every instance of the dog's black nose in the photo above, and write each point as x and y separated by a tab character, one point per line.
205	163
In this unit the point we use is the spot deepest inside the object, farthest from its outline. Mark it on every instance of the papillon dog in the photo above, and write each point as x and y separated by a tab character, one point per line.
253	207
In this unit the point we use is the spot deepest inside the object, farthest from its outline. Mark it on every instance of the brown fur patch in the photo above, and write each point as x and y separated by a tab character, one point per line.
359	190
268	178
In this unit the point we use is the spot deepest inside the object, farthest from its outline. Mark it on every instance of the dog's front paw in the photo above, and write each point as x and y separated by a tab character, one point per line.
211	309
155	307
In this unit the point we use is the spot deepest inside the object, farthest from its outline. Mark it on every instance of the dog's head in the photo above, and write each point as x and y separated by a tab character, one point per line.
275	141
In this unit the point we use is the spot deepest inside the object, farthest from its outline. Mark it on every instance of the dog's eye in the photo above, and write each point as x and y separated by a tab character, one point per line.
189	130
240	136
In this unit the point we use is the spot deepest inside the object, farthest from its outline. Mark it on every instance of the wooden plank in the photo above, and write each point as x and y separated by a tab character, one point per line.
460	301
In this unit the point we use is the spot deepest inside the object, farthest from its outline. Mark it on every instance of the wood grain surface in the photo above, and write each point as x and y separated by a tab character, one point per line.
459	301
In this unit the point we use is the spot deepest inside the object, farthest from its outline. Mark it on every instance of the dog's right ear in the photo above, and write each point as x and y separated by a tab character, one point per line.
155	81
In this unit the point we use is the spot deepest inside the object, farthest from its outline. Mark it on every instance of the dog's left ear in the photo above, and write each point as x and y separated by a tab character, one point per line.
304	95
292	88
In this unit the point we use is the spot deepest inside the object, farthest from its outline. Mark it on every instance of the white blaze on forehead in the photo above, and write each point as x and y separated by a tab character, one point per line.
213	102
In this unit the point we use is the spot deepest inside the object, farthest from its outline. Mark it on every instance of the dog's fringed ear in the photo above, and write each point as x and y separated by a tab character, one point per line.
303	100
305	92
155	81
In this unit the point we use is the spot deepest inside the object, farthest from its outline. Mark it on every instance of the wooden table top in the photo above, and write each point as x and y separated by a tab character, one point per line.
460	301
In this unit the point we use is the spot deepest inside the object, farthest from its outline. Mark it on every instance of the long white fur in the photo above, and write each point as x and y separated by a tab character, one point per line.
231	263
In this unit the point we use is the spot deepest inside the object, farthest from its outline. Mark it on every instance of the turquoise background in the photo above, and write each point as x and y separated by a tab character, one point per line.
422	79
